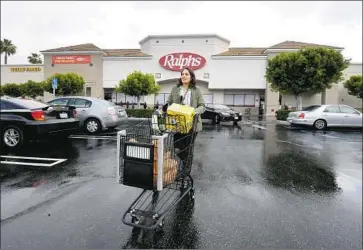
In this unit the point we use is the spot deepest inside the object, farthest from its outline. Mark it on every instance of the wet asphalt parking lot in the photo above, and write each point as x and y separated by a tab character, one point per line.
256	187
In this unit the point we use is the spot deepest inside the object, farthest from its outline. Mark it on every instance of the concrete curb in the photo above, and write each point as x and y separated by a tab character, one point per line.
136	119
282	122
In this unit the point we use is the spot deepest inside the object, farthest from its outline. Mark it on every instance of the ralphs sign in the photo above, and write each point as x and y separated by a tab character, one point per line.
178	61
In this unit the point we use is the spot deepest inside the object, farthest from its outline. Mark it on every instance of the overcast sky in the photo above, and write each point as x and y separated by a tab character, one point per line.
35	26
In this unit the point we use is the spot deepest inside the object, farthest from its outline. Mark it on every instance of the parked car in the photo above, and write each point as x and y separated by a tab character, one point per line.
25	119
323	116
94	114
219	112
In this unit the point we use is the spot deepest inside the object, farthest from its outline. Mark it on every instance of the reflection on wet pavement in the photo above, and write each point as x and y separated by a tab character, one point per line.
296	172
180	233
255	187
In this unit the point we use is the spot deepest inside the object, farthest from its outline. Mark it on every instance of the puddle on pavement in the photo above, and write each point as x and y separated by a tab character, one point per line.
300	173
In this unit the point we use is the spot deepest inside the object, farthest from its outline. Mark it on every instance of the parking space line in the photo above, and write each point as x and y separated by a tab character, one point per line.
329	136
56	161
299	145
348	177
258	126
93	137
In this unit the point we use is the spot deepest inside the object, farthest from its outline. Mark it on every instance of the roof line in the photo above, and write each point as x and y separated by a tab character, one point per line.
183	36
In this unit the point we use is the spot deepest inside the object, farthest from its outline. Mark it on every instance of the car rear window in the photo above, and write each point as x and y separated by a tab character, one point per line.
28	104
107	103
311	108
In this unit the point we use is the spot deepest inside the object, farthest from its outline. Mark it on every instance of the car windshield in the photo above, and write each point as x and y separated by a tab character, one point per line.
311	108
220	106
28	104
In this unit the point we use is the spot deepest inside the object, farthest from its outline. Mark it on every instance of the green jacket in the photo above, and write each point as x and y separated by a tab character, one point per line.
197	101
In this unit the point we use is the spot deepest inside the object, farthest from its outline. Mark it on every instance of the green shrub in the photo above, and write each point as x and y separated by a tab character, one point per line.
12	89
140	113
282	115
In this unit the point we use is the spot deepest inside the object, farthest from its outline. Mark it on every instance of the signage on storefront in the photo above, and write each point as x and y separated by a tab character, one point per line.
178	61
79	59
25	69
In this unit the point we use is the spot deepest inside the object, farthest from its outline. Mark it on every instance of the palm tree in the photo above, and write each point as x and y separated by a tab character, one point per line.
35	58
8	48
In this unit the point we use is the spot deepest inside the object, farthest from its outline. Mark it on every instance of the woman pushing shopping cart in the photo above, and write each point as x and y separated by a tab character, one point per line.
157	155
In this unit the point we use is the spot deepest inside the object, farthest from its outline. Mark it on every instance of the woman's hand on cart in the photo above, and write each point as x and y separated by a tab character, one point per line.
165	107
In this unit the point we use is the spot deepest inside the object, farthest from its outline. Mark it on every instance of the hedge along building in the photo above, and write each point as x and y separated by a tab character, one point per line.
231	76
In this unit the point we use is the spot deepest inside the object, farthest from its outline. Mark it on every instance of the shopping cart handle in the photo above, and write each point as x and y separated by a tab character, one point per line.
165	107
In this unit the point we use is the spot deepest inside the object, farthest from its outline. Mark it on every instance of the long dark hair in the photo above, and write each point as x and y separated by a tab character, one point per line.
193	81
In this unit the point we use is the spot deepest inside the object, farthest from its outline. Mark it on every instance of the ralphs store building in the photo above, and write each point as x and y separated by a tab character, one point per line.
224	77
231	76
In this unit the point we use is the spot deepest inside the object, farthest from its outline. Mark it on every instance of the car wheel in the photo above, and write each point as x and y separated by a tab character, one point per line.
320	124
92	125
12	136
216	119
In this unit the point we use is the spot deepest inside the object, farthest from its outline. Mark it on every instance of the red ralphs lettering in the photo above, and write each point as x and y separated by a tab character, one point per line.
178	61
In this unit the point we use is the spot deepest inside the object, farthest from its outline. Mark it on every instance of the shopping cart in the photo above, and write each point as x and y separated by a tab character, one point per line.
156	156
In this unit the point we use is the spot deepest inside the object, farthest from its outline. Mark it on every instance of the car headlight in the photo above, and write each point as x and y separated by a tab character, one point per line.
225	114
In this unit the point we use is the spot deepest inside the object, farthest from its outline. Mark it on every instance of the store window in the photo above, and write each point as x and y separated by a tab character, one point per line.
122	98
88	91
243	100
108	96
161	98
208	99
249	100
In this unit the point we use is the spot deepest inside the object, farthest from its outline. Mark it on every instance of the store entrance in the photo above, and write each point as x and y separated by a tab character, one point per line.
261	110
107	94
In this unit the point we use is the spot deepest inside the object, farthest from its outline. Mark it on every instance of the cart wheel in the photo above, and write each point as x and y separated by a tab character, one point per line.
135	220
191	194
160	226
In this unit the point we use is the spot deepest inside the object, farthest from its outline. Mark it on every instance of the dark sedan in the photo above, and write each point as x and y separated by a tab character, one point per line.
221	113
25	119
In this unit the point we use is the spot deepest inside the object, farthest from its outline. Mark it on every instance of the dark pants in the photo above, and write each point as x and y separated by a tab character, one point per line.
184	142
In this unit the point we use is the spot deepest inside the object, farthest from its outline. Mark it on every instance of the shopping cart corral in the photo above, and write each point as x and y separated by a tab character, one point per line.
156	156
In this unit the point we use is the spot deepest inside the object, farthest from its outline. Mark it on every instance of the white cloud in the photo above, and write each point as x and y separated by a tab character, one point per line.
35	26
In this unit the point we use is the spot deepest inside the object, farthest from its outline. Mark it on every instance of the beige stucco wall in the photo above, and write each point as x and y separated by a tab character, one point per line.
271	97
336	95
343	96
21	73
93	75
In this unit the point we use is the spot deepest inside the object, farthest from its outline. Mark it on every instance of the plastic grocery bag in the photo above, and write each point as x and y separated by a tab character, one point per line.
180	118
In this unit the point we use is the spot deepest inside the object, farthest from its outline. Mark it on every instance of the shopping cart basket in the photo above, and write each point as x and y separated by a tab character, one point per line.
156	156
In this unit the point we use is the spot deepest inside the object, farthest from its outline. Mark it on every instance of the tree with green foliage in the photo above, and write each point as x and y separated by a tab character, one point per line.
8	48
12	89
310	70
138	84
32	89
354	86
68	84
35	58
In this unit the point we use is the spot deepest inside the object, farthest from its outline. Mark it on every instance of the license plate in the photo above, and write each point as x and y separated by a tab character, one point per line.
63	115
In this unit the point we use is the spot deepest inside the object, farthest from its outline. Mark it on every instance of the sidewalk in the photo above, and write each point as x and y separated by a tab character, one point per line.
269	120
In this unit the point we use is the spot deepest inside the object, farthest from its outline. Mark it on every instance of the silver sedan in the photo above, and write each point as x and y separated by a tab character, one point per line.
322	116
94	114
